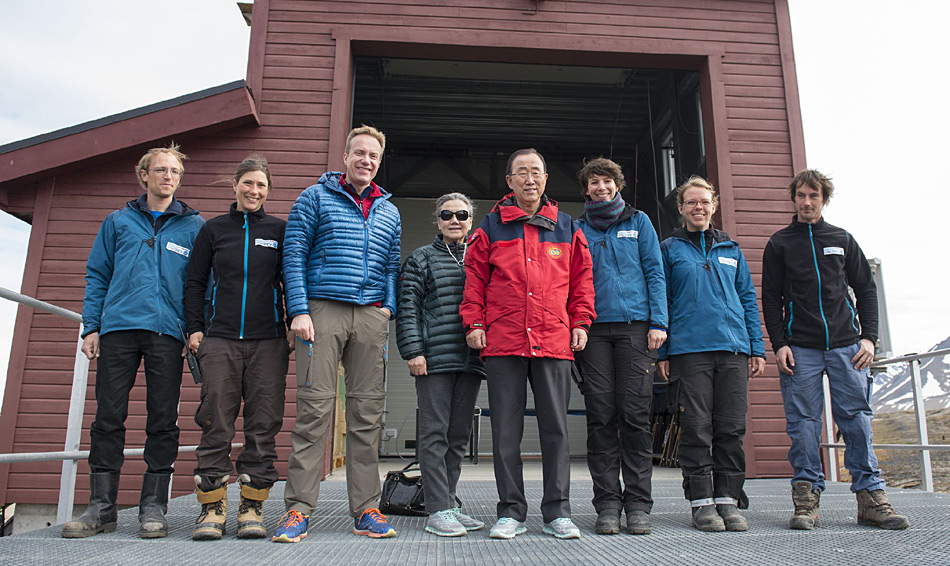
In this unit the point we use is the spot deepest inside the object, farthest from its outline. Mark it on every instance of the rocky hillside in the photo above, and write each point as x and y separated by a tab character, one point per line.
892	390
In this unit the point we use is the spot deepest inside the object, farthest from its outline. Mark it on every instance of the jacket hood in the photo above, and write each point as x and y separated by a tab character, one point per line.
718	235
179	207
545	217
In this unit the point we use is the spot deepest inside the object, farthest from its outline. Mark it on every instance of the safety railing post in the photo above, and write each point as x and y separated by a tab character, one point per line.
832	472
926	471
77	403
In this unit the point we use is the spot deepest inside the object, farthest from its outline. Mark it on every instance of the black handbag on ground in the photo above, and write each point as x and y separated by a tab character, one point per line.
402	493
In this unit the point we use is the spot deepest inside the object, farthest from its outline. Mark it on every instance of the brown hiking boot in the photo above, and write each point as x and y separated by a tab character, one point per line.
806	506
214	511
874	510
250	513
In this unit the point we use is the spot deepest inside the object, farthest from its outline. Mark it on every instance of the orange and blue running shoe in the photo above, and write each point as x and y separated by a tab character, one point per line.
292	527
373	524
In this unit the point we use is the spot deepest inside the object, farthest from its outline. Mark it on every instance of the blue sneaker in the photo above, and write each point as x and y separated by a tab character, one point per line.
292	527
373	524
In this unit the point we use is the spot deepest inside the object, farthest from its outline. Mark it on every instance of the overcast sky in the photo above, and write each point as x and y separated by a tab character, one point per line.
869	73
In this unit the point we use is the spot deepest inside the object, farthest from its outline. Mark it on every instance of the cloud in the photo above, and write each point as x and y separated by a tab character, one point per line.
15	236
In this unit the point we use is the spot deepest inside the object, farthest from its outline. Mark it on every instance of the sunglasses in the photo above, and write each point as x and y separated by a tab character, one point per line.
447	215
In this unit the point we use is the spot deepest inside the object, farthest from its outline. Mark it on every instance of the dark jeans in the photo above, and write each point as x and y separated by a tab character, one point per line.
550	379
255	370
446	409
120	354
618	377
712	391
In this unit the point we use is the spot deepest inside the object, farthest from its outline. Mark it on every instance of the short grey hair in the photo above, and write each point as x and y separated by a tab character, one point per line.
453	196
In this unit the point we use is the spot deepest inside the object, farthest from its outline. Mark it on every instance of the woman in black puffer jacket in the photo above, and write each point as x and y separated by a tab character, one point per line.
448	374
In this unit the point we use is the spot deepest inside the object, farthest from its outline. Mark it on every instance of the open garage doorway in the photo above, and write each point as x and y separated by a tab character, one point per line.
451	125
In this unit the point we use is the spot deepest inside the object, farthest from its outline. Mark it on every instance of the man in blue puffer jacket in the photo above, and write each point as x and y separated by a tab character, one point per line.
341	267
134	308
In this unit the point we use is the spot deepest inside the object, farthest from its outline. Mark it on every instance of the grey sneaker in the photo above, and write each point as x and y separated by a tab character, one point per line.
507	528
444	524
469	523
562	528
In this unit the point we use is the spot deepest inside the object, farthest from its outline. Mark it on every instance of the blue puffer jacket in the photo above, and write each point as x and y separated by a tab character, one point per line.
331	252
628	270
712	298
135	276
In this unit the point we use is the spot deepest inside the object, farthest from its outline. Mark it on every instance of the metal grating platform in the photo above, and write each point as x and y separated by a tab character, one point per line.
838	541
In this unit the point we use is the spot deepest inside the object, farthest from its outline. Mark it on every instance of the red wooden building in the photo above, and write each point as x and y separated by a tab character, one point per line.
666	88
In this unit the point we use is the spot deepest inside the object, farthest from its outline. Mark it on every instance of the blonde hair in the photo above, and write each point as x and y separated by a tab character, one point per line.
365	130
145	163
699	183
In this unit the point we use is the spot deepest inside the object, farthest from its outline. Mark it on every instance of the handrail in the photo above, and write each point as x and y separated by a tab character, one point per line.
20	457
37	304
909	357
77	401
924	445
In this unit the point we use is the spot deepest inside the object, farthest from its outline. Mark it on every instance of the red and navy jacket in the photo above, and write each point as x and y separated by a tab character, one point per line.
528	281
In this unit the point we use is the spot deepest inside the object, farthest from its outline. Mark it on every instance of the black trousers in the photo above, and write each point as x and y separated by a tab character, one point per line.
618	387
120	354
712	393
255	370
508	377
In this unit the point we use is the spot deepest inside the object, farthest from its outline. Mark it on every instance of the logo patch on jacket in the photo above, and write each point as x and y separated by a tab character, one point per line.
729	261
628	234
265	243
554	252
834	251
180	250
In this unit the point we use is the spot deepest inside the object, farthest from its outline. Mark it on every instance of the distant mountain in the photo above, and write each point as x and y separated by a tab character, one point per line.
892	390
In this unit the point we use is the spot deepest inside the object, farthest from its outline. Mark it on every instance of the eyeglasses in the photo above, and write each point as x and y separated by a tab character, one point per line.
447	215
525	175
695	203
160	171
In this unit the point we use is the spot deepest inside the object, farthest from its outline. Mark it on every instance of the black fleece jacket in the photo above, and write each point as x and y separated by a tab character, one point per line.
806	272
239	255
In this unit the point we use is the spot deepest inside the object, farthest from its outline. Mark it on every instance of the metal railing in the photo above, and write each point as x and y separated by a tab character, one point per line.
71	454
923	445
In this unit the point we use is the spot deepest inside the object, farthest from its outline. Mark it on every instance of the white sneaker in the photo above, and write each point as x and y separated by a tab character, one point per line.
444	524
562	528
469	523
507	528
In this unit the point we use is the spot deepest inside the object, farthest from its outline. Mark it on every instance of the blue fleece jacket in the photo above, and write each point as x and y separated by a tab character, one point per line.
712	299
629	282
135	274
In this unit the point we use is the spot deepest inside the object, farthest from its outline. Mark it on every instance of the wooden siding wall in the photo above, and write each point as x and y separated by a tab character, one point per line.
300	57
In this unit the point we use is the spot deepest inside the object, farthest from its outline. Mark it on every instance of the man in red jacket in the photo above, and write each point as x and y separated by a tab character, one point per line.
527	306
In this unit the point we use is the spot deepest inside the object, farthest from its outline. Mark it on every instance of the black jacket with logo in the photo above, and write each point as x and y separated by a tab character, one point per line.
806	272
238	255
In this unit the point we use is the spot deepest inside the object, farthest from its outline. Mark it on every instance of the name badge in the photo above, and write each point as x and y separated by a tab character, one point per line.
628	234
834	251
180	250
729	261
265	243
